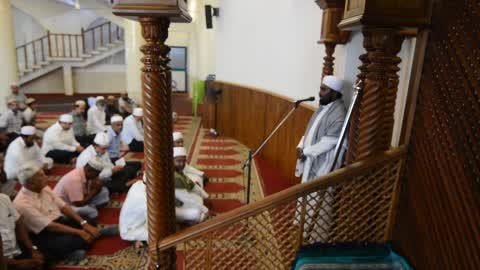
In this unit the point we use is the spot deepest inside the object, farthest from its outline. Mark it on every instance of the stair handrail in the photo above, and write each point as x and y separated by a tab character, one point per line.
32	44
269	202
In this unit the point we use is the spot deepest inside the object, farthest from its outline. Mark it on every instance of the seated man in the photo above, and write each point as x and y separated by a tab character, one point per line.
22	150
81	189
59	141
133	131
96	117
17	95
3	177
18	250
188	192
133	216
125	104
115	177
79	124
194	174
57	230
117	148
12	120
111	109
30	113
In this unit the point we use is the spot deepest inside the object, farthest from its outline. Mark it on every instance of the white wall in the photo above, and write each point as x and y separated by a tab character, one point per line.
270	44
26	27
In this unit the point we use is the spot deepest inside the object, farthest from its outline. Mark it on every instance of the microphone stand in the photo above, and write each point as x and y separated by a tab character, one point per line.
253	154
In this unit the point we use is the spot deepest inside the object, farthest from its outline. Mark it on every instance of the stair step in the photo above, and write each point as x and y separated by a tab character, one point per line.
95	52
86	55
46	63
102	49
36	66
65	59
112	45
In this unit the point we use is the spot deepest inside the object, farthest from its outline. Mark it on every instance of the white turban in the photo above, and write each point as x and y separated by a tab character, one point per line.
333	83
99	98
96	163
177	136
30	101
179	152
28	130
80	102
116	118
101	139
138	112
66	118
14	84
26	171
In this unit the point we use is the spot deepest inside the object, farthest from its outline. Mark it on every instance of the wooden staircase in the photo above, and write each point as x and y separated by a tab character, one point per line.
55	50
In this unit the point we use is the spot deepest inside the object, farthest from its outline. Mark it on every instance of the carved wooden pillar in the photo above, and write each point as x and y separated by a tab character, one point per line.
331	34
155	17
373	120
156	89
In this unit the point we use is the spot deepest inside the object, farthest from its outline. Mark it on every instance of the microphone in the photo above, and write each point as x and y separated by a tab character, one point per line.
297	103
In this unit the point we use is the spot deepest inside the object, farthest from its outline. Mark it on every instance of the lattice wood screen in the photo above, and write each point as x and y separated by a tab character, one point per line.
438	223
355	208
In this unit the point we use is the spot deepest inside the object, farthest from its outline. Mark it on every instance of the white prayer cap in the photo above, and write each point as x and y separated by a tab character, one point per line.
96	163
101	139
26	171
177	136
66	118
14	84
333	83
99	98
138	112
80	102
10	101
174	115
179	152
111	97
30	101
116	118
28	130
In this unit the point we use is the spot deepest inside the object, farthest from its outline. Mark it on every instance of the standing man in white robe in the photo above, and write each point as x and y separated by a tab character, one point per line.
96	117
22	150
315	152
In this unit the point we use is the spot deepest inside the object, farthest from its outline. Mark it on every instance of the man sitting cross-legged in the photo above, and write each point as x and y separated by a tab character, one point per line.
133	131
58	231
22	150
133	216
59	141
191	172
82	189
18	250
115	177
187	191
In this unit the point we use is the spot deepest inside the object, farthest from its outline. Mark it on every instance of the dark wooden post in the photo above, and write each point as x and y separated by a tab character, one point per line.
49	44
372	123
156	92
84	50
331	34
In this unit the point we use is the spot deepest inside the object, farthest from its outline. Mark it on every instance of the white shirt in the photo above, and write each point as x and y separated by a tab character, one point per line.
96	120
29	115
88	154
38	209
194	174
132	129
11	121
56	138
133	216
18	154
8	217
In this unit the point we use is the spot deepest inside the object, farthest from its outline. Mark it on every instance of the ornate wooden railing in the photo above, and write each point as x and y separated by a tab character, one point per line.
67	46
356	203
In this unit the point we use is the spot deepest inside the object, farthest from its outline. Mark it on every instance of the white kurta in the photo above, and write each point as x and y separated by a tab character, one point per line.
18	154
132	129
56	138
194	174
29	115
96	120
90	153
133	221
